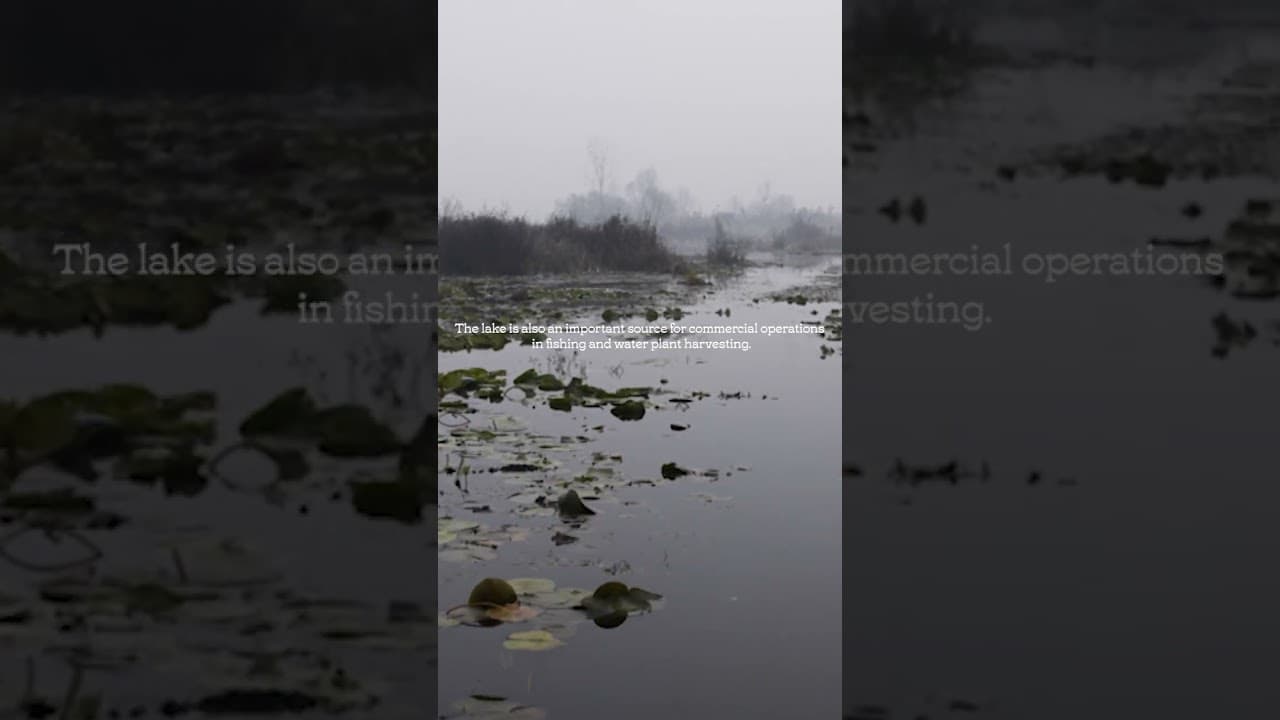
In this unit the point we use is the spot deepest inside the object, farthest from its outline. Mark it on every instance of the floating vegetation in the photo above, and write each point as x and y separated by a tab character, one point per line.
628	410
611	603
1249	248
532	640
487	707
71	430
1209	146
671	471
464	541
834	326
1230	334
555	479
450	341
465	382
953	472
827	290
340	431
571	507
517	303
494	602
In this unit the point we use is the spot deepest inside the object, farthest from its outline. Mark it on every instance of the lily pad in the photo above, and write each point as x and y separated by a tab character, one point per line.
532	640
286	414
467	552
628	411
560	598
339	431
481	707
613	601
456	526
465	381
532	586
352	431
513	613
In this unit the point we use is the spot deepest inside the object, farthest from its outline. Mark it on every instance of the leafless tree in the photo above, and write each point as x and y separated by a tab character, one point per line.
598	155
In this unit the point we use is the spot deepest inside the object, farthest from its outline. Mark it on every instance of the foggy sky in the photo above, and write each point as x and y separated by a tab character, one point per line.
718	96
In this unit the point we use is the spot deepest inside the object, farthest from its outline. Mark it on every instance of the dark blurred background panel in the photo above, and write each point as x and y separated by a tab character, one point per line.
215	45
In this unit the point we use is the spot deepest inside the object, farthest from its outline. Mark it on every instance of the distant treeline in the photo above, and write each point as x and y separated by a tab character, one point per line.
176	46
769	221
493	245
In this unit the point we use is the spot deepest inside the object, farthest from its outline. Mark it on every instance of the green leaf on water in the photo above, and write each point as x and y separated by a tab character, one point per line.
549	383
352	431
613	601
629	410
285	415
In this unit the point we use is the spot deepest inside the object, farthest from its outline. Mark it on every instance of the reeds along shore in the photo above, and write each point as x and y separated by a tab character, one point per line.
491	245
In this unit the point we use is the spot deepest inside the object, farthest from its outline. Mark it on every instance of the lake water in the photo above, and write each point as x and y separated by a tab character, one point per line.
748	563
1139	588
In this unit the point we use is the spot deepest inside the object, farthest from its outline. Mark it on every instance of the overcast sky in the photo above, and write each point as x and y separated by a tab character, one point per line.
718	96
